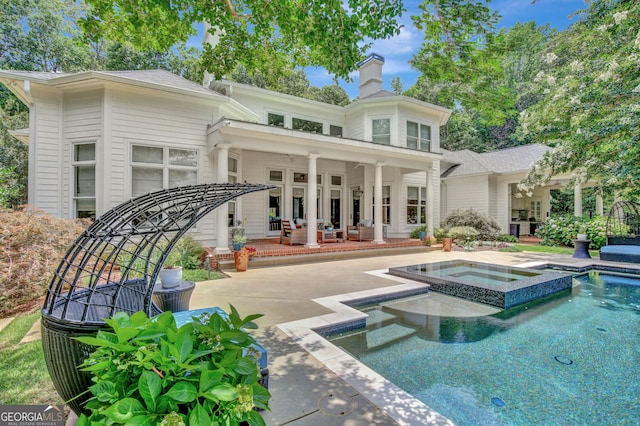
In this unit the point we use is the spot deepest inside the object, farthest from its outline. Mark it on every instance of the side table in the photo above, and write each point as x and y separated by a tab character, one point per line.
174	299
581	249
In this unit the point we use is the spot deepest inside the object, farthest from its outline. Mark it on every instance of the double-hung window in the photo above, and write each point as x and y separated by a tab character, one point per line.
381	131
416	205
84	180
155	168
418	136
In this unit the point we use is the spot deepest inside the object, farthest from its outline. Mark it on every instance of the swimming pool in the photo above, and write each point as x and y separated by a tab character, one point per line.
572	358
496	285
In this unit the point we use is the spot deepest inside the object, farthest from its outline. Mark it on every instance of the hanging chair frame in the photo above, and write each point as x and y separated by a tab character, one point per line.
113	267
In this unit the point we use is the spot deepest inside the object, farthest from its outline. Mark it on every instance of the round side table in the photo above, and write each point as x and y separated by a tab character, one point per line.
174	299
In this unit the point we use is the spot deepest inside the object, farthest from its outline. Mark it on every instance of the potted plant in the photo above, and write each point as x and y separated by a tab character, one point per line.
582	233
329	226
150	371
238	241
171	272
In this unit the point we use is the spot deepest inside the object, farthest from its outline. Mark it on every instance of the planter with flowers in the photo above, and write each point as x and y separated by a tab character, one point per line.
252	251
238	241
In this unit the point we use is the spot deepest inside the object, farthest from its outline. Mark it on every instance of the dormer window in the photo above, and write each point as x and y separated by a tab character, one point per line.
418	136
381	131
306	125
275	120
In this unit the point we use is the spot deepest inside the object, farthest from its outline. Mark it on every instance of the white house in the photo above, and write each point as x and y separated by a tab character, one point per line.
98	138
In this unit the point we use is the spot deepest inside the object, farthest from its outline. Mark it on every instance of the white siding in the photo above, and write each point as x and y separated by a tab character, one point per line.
82	122
47	189
464	193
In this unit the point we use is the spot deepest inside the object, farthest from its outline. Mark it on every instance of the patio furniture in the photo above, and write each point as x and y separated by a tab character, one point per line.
623	233
173	299
360	232
333	236
291	234
112	267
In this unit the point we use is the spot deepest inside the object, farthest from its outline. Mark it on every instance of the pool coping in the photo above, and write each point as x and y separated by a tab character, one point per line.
394	402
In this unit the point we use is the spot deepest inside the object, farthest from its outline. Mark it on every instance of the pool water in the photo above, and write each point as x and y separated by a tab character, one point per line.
570	359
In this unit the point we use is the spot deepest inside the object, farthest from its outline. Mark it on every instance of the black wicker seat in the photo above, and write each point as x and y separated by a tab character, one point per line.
112	267
623	233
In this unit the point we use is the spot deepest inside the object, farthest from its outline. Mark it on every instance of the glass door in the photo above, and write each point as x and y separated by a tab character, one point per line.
297	203
274	213
336	208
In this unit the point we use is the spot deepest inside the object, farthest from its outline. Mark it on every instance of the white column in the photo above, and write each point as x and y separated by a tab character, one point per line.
577	202
312	203
377	210
599	203
222	176
430	200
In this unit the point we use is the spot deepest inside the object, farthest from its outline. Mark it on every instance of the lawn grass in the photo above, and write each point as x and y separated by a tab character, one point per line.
198	275
550	249
24	378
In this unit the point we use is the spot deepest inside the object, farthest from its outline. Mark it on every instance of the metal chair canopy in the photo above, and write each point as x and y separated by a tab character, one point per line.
624	219
114	264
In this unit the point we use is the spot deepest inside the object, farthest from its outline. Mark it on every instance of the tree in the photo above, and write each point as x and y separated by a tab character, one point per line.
262	34
460	49
589	93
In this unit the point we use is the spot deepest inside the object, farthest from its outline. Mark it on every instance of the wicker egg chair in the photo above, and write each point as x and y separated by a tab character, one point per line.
112	267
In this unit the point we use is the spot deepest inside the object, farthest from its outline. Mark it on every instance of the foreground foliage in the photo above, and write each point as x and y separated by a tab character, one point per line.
149	371
31	247
268	35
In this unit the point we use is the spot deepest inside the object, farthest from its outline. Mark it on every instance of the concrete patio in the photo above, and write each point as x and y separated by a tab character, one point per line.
304	391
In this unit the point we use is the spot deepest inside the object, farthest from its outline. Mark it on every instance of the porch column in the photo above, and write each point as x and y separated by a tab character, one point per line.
599	203
222	176
577	199
312	203
377	209
430	200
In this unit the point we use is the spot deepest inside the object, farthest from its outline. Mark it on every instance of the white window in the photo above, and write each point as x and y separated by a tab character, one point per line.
156	168
84	180
275	120
418	136
381	131
416	205
386	204
232	177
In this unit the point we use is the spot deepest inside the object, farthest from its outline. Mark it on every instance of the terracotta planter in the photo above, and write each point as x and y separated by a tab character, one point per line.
241	260
446	244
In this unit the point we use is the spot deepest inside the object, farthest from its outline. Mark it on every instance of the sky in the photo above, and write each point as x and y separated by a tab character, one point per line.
398	50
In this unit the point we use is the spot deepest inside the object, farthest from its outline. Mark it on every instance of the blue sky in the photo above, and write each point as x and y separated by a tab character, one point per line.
398	50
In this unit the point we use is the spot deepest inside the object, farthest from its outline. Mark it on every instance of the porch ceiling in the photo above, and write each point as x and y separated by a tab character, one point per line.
260	137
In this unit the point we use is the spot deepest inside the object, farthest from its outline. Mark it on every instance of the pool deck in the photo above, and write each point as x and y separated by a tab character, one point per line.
306	391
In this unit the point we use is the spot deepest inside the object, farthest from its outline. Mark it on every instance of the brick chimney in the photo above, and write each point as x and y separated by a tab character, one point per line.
370	75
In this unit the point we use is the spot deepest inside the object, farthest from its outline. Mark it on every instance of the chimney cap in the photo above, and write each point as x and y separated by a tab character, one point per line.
370	58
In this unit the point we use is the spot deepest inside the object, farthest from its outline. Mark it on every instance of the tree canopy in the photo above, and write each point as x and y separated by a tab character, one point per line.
589	100
262	34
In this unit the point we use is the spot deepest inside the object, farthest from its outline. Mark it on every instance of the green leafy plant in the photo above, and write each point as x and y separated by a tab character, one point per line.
562	230
415	233
149	371
463	234
508	238
239	238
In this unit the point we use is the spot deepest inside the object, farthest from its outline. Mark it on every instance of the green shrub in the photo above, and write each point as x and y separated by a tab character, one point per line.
416	232
508	238
440	233
462	234
149	371
186	253
562	230
487	227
